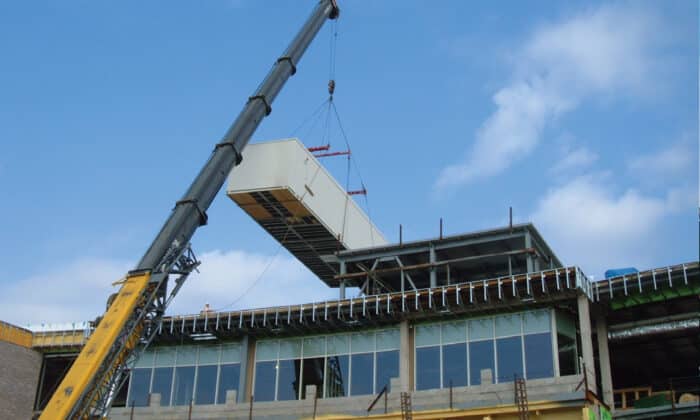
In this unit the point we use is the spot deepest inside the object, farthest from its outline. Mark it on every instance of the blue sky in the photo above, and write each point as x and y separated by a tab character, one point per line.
583	116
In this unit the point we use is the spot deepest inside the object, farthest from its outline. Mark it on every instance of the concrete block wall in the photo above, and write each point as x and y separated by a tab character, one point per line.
19	378
558	389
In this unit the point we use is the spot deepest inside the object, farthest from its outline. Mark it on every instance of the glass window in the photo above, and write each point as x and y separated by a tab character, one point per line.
454	365
165	356
290	349
265	373
427	368
145	360
229	375
388	340
337	376
362	342
266	350
510	358
138	387
314	346
162	382
387	368
568	356
427	335
480	329
186	355
536	322
454	332
232	353
288	380
480	357
362	366
206	384
338	344
538	356
507	325
209	355
566	342
184	385
313	375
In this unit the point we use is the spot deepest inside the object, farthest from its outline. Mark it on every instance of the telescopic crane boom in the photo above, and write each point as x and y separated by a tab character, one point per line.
134	314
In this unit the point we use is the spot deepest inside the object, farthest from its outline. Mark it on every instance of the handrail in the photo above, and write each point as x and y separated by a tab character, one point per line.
382	392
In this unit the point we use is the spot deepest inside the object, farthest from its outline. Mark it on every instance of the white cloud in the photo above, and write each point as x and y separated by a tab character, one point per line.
668	163
592	225
607	51
577	158
78	291
225	276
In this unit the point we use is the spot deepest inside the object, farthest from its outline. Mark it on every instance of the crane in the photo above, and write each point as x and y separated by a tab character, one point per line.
134	313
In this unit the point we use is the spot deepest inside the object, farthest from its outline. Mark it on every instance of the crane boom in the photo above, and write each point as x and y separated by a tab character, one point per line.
133	315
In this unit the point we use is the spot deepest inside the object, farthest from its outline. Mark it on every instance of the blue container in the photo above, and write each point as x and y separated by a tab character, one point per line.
617	272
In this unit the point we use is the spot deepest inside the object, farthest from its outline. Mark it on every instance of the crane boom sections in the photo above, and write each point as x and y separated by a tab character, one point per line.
133	316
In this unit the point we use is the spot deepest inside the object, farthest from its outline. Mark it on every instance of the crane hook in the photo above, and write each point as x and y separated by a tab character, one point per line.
331	87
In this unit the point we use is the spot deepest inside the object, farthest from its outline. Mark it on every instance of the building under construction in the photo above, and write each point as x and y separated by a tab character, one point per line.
481	325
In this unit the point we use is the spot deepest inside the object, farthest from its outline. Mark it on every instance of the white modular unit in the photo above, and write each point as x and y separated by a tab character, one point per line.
290	194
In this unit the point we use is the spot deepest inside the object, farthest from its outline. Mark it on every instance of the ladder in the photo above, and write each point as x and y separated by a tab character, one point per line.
521	399
406	409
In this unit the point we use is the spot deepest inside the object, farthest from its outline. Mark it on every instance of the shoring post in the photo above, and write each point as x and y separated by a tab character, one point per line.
450	394
250	411
133	403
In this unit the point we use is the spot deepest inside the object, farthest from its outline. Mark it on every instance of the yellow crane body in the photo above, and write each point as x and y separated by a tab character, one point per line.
86	366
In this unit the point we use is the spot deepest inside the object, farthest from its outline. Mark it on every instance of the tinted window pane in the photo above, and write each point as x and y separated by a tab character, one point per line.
231	354
146	359
186	355
538	356
266	350
162	382
138	387
290	348
387	368
427	335
362	366
454	332
480	329
229	376
288	382
184	385
536	322
265	381
507	325
314	346
510	358
165	356
206	385
313	375
208	355
362	342
339	344
388	340
480	357
454	365
567	355
337	376
428	367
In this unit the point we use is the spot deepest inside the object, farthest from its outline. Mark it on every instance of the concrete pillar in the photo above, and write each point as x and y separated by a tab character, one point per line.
584	319
529	259
604	358
405	357
433	269
154	400
341	291
245	381
486	376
